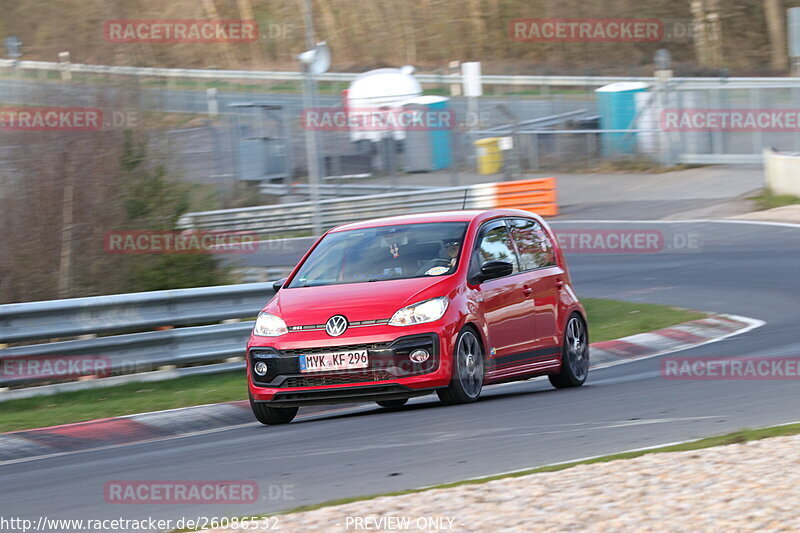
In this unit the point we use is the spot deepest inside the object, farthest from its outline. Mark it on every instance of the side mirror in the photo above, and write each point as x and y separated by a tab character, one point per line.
494	269
278	284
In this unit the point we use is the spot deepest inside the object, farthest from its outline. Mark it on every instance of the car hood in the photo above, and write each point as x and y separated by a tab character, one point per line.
356	301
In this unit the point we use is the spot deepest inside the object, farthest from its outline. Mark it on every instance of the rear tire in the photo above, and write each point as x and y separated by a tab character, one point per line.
272	416
468	370
392	404
574	355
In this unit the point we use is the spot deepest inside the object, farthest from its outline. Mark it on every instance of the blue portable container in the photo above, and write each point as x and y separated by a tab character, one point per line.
617	106
430	149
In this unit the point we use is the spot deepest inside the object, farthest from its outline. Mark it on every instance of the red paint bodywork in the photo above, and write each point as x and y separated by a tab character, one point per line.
509	312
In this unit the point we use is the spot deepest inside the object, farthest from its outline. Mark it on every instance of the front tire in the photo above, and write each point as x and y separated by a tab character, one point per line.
574	355
468	371
272	416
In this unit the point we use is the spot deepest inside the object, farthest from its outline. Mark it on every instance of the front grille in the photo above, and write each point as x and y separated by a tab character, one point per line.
334	349
356	324
336	379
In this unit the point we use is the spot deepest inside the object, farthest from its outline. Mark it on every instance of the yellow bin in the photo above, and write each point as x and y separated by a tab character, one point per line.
490	158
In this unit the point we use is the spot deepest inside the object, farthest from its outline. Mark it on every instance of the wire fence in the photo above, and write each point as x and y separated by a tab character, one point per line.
246	126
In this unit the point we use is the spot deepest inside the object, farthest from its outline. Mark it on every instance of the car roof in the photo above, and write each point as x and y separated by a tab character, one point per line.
441	216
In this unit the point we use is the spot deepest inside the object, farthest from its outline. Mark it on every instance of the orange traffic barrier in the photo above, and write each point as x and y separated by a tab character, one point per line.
537	195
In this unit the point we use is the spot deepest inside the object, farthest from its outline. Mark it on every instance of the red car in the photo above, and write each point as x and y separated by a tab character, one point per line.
392	308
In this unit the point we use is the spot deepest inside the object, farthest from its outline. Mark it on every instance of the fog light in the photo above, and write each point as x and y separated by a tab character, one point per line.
419	355
260	368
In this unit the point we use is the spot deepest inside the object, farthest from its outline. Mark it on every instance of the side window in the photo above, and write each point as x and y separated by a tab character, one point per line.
534	245
495	245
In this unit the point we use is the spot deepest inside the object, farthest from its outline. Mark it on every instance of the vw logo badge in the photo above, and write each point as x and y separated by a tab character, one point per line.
336	325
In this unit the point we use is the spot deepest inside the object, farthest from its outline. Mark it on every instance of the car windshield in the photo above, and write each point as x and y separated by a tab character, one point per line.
383	253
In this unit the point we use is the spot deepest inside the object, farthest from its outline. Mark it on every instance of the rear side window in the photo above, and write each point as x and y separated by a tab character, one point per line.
534	245
495	245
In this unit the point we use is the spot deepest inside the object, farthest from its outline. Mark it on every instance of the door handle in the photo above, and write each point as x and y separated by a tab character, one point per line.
559	283
527	291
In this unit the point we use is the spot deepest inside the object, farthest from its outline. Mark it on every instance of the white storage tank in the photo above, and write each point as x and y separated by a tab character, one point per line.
378	90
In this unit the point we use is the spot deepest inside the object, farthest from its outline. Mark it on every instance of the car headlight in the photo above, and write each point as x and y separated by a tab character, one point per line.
268	325
421	312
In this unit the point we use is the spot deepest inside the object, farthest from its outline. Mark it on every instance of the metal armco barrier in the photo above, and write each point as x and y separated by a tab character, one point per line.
126	313
537	195
555	81
130	312
138	352
334	189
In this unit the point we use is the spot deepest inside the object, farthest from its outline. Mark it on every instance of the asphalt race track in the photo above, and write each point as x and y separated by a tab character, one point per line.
745	269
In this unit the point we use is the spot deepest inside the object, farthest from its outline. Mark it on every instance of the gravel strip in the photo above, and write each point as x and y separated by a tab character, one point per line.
786	213
740	487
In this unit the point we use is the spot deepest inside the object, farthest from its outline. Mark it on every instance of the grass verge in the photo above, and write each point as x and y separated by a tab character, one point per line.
608	319
612	319
78	406
769	200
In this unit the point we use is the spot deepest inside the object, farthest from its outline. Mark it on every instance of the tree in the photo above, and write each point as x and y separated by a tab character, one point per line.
775	14
155	203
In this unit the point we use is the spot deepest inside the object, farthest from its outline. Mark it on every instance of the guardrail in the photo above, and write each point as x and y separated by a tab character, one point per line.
125	313
129	312
334	189
135	352
557	81
537	195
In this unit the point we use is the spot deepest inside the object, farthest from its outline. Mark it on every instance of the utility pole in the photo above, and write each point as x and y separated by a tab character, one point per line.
663	75
309	101
794	39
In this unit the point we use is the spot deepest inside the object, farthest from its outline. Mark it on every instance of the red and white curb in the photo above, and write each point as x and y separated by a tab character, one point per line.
19	446
105	432
671	339
146	427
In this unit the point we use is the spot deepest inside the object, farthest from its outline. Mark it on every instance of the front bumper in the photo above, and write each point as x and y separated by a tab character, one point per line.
390	375
333	395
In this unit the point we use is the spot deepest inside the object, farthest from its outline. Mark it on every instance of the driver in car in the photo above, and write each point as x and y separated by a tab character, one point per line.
442	265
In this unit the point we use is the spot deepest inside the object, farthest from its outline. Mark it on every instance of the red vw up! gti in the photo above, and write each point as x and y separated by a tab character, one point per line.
388	309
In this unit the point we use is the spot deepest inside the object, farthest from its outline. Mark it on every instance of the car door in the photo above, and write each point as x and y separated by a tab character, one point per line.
542	276
504	303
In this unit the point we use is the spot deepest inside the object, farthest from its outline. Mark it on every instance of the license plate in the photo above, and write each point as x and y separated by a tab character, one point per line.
325	362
